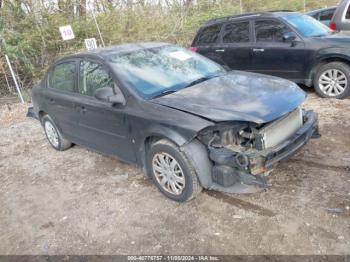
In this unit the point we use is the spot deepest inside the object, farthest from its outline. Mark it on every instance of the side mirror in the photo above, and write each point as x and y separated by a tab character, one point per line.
289	37
106	94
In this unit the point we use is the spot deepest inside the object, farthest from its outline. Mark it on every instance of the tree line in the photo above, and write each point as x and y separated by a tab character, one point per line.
29	32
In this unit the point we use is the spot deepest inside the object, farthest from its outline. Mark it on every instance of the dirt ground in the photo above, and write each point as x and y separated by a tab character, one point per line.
81	202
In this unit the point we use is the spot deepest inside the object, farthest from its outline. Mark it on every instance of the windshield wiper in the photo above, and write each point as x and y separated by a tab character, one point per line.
164	93
197	81
200	80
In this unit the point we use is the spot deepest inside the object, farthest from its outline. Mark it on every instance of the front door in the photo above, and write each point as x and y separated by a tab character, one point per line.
102	126
273	56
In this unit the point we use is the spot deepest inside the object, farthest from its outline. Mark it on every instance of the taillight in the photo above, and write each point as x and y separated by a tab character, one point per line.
333	26
193	49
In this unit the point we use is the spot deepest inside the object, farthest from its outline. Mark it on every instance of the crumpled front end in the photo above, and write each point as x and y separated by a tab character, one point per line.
243	154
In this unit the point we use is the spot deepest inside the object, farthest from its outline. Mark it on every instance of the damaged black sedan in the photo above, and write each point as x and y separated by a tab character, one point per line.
187	121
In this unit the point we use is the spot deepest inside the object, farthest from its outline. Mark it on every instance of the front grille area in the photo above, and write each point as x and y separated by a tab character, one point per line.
281	129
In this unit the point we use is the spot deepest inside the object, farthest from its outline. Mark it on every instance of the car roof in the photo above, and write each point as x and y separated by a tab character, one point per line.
265	14
321	10
105	52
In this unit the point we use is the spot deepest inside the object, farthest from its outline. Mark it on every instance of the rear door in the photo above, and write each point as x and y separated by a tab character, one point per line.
235	49
60	96
207	43
102	125
272	56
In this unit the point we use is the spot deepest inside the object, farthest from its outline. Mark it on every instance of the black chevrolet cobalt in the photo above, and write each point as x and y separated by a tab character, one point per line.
183	118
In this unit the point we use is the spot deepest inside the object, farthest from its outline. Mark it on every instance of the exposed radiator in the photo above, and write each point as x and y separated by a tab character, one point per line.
282	128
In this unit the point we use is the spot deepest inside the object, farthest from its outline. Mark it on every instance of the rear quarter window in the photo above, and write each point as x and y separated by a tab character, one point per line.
209	35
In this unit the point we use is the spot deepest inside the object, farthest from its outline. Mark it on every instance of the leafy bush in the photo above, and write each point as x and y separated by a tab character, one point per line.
29	34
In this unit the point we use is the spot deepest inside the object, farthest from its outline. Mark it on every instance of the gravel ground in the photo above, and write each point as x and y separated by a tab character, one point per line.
81	202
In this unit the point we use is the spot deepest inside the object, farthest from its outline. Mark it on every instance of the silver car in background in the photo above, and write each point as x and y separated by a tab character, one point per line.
341	18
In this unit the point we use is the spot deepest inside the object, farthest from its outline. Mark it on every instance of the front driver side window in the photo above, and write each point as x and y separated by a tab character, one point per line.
92	77
270	31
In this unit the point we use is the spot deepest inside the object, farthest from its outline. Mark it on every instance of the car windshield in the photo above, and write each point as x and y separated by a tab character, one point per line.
307	25
162	70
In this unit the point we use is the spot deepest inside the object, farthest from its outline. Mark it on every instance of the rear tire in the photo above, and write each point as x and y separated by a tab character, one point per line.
53	135
332	80
172	172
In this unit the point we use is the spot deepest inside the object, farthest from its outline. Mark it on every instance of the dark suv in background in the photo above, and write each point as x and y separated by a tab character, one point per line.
284	44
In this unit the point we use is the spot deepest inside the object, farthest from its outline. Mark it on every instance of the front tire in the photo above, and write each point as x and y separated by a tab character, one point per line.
53	135
172	172
332	80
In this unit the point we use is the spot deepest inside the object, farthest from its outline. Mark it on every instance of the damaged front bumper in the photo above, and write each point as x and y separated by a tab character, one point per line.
242	172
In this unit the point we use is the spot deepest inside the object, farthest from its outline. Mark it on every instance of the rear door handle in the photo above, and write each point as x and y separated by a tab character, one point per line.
52	100
258	50
80	109
220	50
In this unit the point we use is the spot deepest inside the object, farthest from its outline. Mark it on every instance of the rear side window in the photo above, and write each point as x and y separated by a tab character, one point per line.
236	33
209	35
92	77
270	31
326	15
62	77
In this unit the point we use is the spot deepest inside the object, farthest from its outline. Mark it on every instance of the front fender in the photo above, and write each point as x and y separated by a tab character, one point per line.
194	150
333	52
179	137
326	54
197	153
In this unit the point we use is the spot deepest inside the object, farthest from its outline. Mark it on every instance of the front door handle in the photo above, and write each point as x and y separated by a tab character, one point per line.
258	50
220	50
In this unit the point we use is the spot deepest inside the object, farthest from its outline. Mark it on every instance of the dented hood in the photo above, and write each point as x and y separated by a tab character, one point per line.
237	96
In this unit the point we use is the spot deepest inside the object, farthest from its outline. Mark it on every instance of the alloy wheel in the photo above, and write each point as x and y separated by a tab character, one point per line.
333	82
